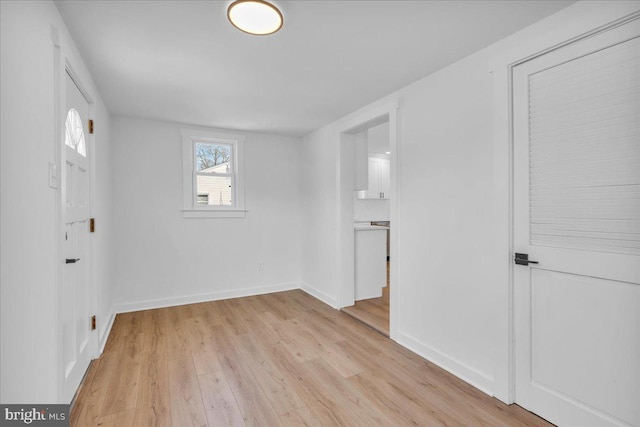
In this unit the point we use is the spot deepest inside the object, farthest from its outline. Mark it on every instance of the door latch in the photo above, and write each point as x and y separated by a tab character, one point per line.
523	259
72	260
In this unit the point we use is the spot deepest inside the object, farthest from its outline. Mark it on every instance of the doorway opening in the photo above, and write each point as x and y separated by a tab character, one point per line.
367	219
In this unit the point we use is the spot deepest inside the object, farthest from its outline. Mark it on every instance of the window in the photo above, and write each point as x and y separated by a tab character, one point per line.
74	132
212	174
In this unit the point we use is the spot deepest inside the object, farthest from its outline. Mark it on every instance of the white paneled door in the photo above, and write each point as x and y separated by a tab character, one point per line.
577	214
75	302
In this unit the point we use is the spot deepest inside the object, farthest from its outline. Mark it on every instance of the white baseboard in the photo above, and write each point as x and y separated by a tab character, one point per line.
192	299
319	295
104	335
470	375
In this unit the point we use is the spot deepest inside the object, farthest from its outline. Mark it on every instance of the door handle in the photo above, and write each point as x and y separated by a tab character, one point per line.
72	260
523	259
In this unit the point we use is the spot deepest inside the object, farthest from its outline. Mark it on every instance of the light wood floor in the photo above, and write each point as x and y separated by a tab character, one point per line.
374	311
278	359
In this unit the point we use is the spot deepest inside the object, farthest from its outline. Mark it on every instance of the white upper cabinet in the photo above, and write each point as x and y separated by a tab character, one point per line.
372	165
379	179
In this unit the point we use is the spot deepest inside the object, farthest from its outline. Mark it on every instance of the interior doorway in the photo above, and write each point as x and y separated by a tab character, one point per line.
368	182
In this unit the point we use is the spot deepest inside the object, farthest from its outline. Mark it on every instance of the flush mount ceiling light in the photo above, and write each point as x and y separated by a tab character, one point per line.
256	17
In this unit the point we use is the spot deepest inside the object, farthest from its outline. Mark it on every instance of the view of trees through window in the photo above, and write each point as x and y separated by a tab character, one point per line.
210	155
213	173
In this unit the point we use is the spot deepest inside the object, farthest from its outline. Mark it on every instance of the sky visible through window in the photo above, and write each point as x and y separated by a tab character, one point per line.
208	155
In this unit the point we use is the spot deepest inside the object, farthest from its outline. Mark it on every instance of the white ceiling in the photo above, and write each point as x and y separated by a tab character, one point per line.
182	61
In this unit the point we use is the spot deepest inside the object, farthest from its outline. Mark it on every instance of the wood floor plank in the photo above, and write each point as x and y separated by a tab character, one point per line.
122	393
254	405
250	317
278	306
301	417
119	330
400	406
119	419
178	347
187	311
113	340
205	357
428	389
295	373
270	360
299	340
312	321
338	391
91	402
152	417
219	403
237	373
255	304
282	397
83	390
187	408
153	328
210	312
231	321
255	408
367	312
153	402
341	361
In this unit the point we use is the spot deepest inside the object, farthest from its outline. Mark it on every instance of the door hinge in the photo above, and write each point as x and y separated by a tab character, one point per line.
92	225
90	126
93	322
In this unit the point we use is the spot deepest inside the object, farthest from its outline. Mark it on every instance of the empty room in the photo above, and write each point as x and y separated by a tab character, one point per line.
320	213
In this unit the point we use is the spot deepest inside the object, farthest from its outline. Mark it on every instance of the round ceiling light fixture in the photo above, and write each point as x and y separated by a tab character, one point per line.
256	17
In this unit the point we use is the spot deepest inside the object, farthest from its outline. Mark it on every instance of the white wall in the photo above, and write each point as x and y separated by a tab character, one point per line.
449	270
28	258
378	139
453	250
371	209
165	259
320	192
103	245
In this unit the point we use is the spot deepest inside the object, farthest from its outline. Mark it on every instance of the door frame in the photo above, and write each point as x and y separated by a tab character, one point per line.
371	116
63	64
504	131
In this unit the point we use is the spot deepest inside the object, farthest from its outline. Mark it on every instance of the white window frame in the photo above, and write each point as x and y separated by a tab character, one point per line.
190	207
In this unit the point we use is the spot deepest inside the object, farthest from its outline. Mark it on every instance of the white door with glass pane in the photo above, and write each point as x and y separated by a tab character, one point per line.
75	298
577	213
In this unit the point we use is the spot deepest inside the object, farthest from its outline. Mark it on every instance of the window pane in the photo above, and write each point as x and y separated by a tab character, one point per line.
213	157
213	190
202	199
74	132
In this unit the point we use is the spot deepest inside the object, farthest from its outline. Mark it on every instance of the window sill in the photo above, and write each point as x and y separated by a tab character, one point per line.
218	213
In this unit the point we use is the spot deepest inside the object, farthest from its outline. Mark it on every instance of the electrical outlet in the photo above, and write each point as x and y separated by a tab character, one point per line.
261	266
